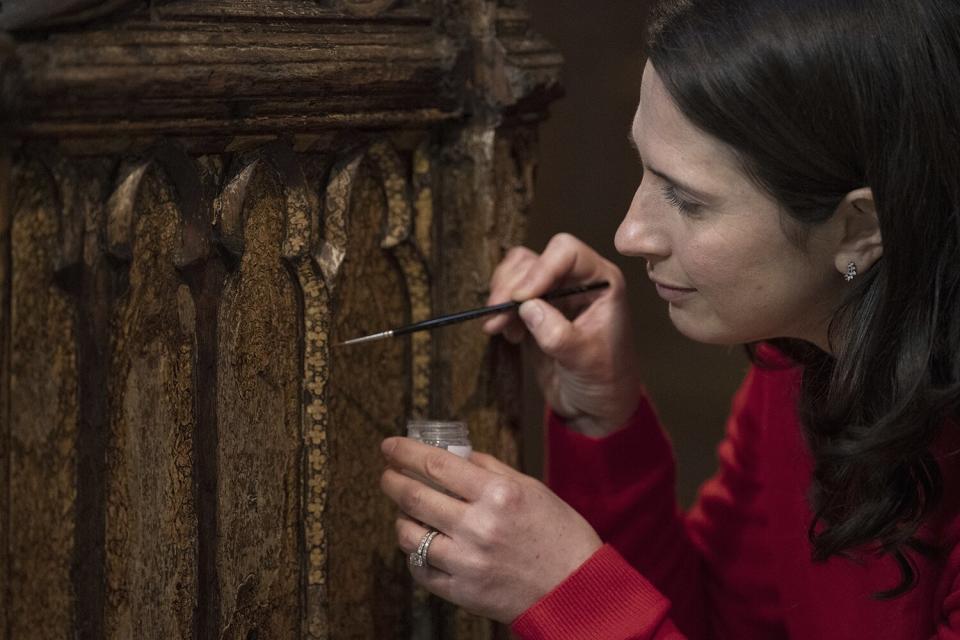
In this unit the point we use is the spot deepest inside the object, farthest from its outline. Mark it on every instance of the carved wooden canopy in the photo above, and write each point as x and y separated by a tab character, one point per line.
209	70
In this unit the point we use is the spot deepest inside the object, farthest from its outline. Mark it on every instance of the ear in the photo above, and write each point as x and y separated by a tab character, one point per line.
860	242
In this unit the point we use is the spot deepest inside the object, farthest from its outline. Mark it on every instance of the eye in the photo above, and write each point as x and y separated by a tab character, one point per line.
685	207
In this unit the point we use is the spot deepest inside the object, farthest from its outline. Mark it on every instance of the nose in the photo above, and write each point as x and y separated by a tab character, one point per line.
642	234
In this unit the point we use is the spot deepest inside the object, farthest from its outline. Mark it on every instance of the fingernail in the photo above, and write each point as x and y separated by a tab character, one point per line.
520	294
531	313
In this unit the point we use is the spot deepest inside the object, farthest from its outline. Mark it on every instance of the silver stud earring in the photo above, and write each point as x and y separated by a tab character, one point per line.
851	271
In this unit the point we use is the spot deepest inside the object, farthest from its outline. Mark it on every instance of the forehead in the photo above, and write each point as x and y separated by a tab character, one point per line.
667	140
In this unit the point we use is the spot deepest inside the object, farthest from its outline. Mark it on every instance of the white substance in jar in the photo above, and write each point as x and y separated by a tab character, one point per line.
445	434
451	435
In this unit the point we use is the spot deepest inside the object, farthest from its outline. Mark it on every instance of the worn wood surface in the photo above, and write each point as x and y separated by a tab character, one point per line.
197	201
368	401
43	415
151	384
258	425
6	210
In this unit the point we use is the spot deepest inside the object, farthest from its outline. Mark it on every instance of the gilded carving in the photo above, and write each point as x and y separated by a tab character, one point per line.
151	522
258	424
515	166
423	194
349	159
300	220
367	399
318	279
120	211
398	238
228	209
332	247
315	422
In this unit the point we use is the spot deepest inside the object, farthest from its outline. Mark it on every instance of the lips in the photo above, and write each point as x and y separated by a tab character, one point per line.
672	293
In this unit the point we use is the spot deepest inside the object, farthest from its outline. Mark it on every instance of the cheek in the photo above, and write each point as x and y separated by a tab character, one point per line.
713	270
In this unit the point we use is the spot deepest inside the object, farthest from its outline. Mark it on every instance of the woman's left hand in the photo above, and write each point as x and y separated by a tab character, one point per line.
503	546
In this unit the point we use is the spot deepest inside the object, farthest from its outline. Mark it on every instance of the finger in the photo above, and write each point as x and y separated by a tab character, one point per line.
421	501
505	275
565	258
506	279
433	580
442	553
552	331
436	465
435	575
492	464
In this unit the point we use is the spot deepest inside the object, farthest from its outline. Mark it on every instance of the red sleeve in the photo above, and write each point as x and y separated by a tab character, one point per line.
605	599
671	571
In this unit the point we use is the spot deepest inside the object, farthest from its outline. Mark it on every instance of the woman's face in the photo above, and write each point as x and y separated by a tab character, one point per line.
715	244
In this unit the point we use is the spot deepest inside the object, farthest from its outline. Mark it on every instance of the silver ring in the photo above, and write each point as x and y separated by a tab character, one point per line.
428	540
418	558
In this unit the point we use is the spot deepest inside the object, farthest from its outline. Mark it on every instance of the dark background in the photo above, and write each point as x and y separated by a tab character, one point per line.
586	179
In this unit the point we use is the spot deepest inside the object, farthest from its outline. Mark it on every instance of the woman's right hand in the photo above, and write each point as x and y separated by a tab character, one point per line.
584	355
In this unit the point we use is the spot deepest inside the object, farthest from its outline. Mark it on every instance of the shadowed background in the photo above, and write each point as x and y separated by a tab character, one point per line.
585	181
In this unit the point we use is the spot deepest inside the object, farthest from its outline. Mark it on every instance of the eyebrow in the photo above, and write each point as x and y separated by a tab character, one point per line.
696	193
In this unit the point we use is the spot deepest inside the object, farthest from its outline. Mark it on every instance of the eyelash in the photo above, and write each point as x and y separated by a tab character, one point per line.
685	207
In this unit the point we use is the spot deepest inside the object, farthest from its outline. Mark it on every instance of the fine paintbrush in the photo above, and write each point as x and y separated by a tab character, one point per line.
453	318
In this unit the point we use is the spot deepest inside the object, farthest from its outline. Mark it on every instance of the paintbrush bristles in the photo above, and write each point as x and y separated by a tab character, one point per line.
376	336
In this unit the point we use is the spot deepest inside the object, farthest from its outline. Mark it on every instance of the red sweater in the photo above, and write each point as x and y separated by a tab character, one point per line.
738	564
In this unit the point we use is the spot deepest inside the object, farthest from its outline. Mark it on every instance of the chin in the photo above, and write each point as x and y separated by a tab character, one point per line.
709	332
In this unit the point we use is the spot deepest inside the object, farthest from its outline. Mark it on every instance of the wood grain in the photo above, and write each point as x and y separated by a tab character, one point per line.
178	76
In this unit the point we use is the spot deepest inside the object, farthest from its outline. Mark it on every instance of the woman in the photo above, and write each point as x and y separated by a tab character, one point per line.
801	195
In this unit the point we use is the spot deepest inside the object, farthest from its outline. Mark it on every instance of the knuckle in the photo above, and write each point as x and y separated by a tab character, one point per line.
563	242
436	465
518	252
511	264
560	239
504	494
388	482
411	500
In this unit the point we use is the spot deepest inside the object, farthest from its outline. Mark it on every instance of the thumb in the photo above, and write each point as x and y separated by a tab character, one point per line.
550	329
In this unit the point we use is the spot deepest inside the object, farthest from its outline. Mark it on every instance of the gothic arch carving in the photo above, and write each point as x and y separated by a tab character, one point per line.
211	195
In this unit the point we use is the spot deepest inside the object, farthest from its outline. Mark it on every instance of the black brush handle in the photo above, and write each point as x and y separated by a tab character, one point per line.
462	316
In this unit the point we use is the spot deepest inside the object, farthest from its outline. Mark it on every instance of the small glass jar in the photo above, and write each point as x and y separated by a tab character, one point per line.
452	435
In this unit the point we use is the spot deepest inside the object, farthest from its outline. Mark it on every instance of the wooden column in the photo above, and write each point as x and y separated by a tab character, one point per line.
198	198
